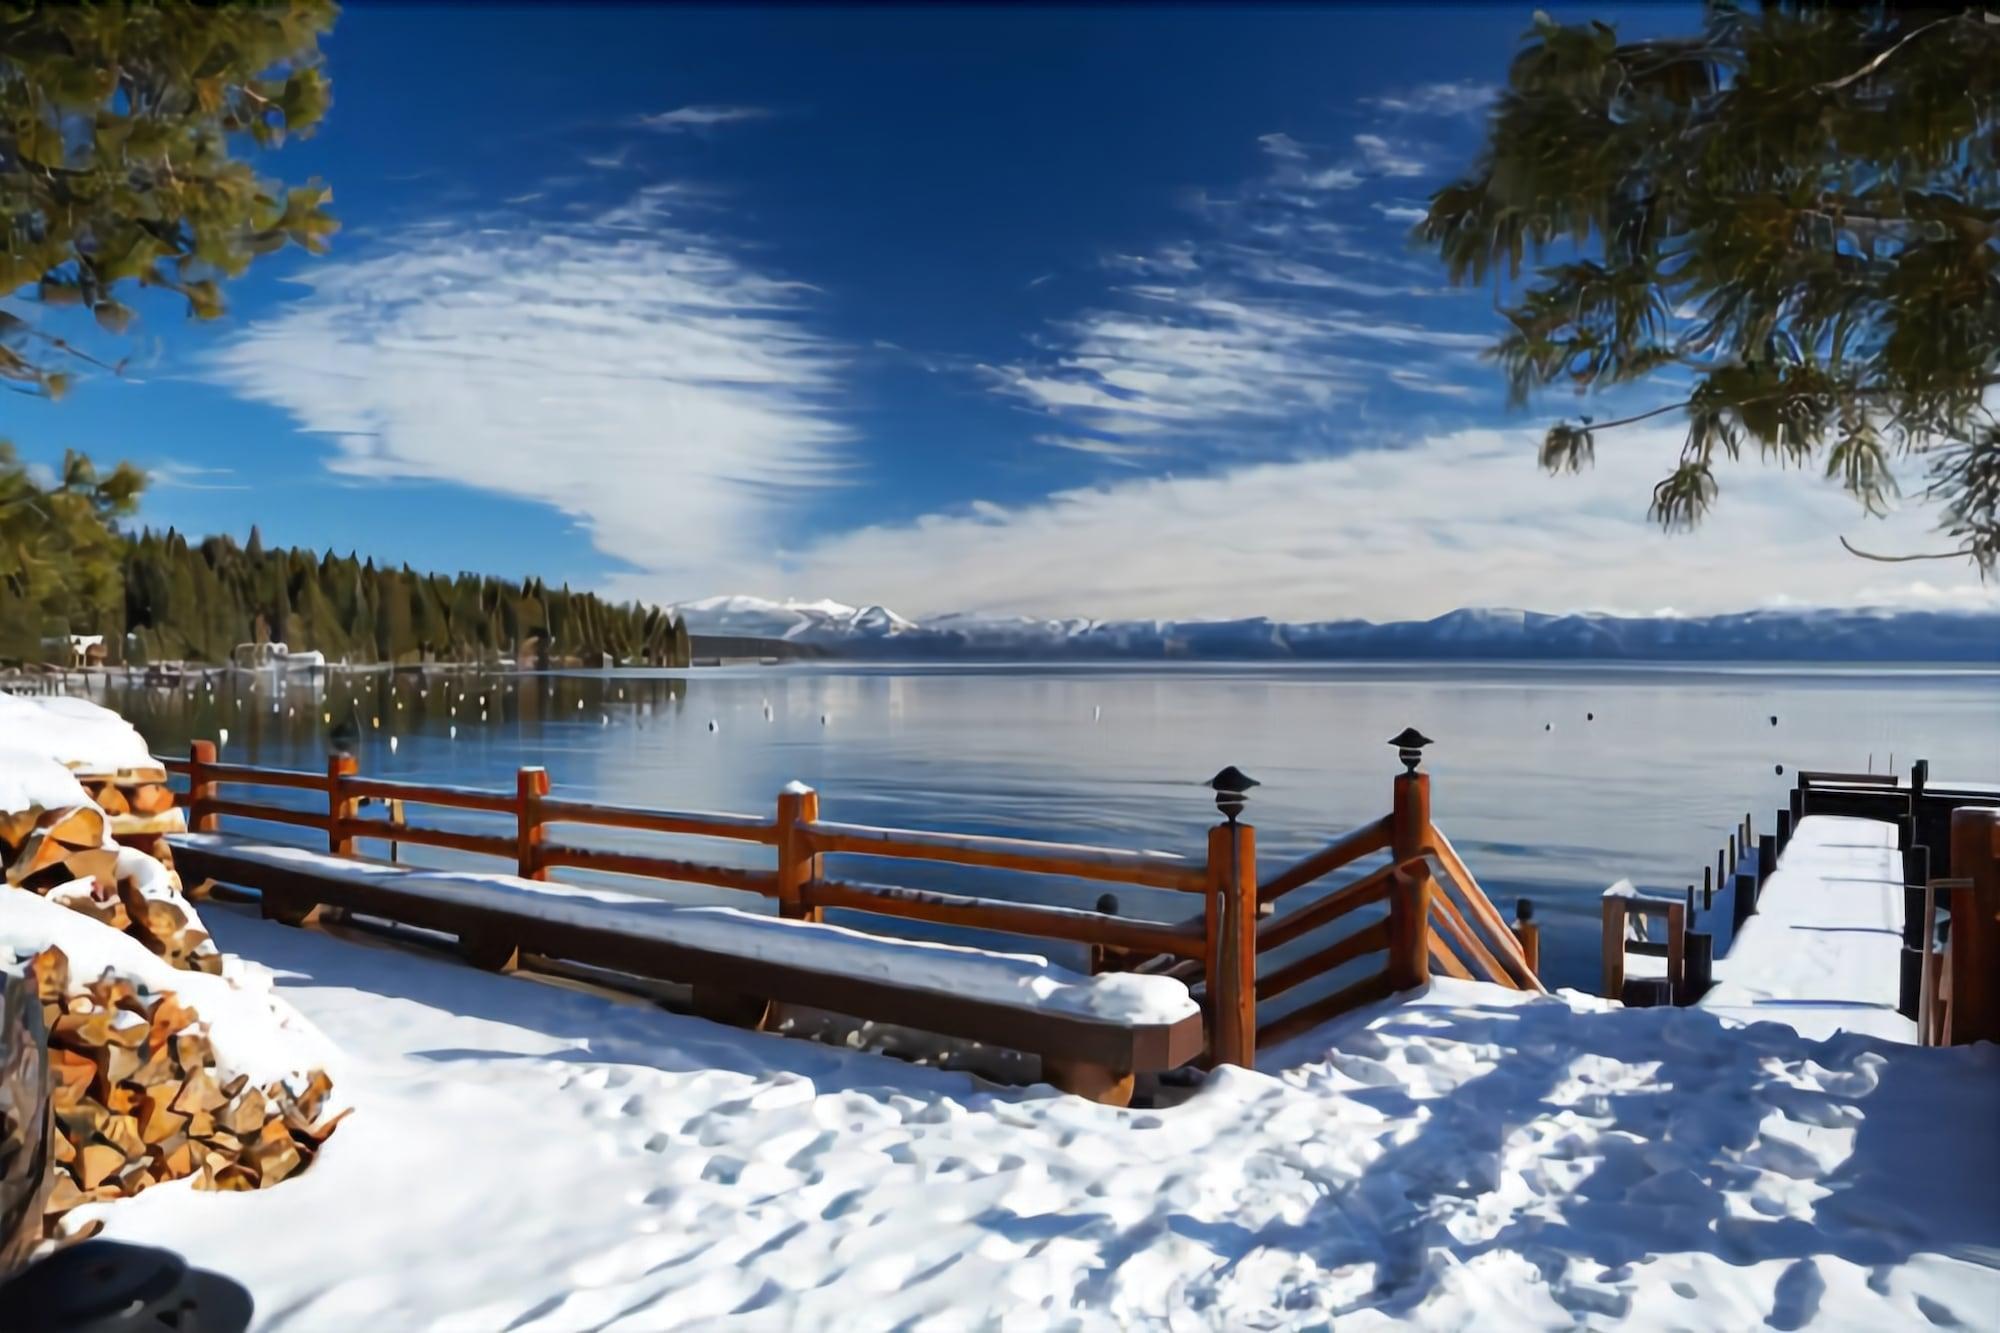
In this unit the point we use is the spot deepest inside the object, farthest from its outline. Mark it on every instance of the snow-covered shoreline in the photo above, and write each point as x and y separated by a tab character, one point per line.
537	1158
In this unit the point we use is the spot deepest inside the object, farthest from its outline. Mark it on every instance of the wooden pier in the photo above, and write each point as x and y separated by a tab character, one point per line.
1830	922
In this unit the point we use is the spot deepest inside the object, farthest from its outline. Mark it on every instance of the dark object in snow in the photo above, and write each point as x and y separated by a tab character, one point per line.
105	1286
1548	726
1774	719
1590	717
1232	791
1780	770
24	1121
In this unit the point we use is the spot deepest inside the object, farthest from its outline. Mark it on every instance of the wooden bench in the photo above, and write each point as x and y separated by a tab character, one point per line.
1094	1033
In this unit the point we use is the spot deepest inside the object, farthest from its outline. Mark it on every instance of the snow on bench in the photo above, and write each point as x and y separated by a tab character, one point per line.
1117	1022
1823	952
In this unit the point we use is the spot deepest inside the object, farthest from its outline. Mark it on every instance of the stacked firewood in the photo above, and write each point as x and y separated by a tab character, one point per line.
139	809
138	1098
78	856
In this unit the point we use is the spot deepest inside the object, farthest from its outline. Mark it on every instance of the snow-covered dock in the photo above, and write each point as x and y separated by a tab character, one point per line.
1822	953
534	1158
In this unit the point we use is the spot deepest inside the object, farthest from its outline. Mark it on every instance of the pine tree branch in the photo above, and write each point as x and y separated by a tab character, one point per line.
1959	554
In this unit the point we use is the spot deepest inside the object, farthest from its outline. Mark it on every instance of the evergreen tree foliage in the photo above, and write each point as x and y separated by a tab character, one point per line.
61	556
1796	207
118	125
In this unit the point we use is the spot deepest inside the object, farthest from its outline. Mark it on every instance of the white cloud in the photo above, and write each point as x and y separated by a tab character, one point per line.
1440	99
1463	519
1382	156
173	475
1282	145
642	379
683	119
1400	212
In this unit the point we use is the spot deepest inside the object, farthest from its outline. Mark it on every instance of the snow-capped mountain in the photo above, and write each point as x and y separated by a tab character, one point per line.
1780	635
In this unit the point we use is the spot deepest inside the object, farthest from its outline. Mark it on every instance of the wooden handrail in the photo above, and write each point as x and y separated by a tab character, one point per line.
1828	778
1306	1017
1349	847
697	824
420	793
1446	961
1501	936
262	777
1370	888
1368	939
1009	918
269	813
1157	870
480	844
1445	913
656	867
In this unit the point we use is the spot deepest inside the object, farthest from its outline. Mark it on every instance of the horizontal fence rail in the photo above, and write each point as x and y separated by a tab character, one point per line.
1216	950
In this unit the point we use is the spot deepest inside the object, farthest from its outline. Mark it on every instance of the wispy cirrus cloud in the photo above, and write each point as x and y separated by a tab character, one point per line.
644	379
1242	336
174	475
1462	98
683	119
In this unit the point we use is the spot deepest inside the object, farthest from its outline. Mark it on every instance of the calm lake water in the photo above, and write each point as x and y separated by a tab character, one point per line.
1542	798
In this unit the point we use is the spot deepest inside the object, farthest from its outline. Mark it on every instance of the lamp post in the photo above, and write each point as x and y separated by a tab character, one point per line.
1232	791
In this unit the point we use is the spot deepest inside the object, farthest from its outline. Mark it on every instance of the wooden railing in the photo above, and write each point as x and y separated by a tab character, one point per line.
1217	949
1960	999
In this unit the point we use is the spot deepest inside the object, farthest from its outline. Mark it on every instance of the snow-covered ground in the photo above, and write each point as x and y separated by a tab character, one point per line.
529	1157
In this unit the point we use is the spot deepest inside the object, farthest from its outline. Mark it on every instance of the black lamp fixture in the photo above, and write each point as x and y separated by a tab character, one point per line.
1410	743
1232	791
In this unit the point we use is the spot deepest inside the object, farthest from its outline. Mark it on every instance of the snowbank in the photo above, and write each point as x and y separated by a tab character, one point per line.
32	780
537	1158
75	732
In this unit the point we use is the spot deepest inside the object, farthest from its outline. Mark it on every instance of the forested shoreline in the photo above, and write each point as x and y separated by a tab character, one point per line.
67	568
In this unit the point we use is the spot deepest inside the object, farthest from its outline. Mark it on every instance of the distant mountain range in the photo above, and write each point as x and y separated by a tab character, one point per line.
1784	635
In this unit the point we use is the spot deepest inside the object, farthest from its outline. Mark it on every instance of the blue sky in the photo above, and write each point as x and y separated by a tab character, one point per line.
1067	312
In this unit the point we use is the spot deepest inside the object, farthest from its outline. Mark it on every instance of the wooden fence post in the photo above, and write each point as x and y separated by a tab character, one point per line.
1410	816
530	786
797	804
1613	964
1410	926
1974	952
1232	943
340	809
201	788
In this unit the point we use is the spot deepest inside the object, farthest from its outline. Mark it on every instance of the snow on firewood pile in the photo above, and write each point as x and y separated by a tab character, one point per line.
84	810
534	1157
168	1062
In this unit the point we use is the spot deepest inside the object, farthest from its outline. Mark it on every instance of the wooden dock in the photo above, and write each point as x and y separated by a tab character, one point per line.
1265	956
